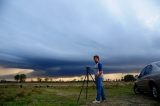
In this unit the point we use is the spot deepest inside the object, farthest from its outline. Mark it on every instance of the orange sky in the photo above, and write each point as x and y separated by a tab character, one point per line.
13	71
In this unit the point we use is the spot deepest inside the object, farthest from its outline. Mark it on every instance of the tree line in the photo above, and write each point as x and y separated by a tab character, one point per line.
22	78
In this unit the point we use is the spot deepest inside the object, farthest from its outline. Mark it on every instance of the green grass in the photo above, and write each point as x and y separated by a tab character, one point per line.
36	97
118	93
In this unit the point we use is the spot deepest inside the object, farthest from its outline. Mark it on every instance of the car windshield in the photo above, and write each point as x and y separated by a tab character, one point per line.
142	72
146	70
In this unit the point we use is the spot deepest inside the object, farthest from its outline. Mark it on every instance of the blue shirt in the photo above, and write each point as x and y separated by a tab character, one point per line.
98	67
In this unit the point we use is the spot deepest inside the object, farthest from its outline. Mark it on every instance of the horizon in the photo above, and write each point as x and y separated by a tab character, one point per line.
107	77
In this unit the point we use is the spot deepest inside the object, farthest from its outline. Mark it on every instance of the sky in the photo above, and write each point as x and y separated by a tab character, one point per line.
60	37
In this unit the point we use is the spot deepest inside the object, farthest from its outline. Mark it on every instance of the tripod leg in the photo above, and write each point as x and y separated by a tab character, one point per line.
87	85
81	90
92	78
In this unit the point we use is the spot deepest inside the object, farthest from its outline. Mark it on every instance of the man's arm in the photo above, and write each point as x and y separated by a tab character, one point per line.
100	70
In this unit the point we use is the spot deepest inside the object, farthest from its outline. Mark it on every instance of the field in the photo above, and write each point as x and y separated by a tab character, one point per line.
66	94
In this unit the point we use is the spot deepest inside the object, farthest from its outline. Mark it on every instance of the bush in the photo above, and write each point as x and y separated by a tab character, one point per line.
3	81
128	78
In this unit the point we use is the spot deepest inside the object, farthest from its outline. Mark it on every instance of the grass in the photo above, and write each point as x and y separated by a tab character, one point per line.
66	94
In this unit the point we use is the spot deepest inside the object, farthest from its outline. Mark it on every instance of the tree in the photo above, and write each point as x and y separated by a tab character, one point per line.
46	79
74	80
20	77
39	79
129	78
23	77
3	81
17	77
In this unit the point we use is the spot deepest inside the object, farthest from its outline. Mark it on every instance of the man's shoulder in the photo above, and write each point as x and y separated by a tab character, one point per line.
99	63
100	66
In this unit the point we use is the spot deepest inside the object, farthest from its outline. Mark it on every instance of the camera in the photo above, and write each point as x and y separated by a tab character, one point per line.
88	68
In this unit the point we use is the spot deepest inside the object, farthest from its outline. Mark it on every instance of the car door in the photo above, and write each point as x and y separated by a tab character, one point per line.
156	75
140	83
144	78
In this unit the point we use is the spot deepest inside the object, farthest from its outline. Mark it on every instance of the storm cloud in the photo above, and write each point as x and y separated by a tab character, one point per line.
57	38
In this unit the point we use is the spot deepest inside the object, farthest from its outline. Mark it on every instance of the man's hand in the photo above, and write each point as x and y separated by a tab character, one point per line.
99	74
96	76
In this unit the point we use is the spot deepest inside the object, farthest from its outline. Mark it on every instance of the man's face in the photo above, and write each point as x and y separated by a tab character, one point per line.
96	60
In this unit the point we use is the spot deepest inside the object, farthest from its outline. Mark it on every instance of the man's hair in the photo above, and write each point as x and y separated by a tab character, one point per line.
96	56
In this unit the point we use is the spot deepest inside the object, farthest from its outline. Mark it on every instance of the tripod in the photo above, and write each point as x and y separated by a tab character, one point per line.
86	79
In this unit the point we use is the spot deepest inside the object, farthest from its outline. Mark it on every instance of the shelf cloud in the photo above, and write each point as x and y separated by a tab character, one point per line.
56	38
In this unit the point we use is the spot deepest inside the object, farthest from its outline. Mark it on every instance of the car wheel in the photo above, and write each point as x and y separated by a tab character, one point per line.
155	92
136	89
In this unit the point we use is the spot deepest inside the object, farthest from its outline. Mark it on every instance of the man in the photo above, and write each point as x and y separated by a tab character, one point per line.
99	81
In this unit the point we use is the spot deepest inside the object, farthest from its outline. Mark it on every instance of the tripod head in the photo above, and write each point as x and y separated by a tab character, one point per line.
88	68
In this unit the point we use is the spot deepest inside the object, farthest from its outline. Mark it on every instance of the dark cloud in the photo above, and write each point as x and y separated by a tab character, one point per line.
59	38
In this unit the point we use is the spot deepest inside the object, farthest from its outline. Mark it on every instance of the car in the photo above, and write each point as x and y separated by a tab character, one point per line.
148	80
